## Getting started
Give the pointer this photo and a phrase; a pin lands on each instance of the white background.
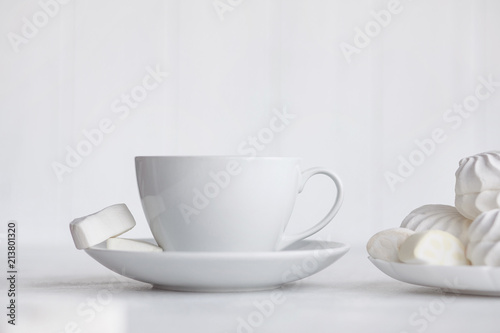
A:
(225, 79)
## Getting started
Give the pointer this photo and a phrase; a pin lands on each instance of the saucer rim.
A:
(465, 273)
(331, 245)
(217, 271)
(437, 267)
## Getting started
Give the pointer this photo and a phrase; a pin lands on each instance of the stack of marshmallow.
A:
(468, 233)
(106, 225)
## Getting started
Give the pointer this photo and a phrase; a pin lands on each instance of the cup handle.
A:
(290, 239)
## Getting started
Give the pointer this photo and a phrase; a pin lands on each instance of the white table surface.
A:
(64, 290)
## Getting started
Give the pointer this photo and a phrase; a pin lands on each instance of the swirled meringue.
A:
(438, 217)
(478, 173)
(385, 244)
(433, 247)
(486, 227)
(473, 204)
(484, 253)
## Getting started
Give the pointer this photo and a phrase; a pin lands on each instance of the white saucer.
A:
(221, 271)
(473, 280)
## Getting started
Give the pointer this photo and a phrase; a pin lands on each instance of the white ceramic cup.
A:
(224, 203)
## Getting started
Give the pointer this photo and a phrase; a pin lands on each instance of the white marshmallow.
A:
(438, 217)
(93, 229)
(477, 173)
(124, 244)
(433, 247)
(486, 227)
(473, 204)
(484, 253)
(385, 244)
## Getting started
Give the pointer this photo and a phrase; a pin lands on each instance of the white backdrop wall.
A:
(360, 100)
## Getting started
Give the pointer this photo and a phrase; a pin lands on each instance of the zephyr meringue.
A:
(484, 253)
(477, 187)
(385, 244)
(438, 217)
(484, 236)
(486, 227)
(473, 204)
(433, 247)
(478, 173)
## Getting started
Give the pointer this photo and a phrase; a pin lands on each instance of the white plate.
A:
(221, 271)
(474, 280)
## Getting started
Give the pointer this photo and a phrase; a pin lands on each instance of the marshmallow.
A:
(433, 247)
(124, 244)
(478, 173)
(93, 229)
(473, 204)
(484, 253)
(438, 217)
(385, 244)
